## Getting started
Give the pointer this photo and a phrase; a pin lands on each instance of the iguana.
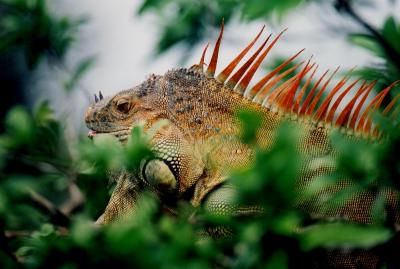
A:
(198, 143)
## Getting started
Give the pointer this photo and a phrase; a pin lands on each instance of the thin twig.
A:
(393, 55)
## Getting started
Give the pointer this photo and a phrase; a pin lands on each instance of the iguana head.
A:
(118, 114)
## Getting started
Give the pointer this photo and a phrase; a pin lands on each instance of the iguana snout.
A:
(116, 115)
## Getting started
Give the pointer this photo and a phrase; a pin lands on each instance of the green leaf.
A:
(31, 26)
(20, 185)
(137, 148)
(151, 4)
(251, 122)
(104, 152)
(343, 235)
(278, 261)
(43, 113)
(391, 32)
(19, 126)
(367, 42)
(287, 223)
(46, 230)
(371, 73)
(378, 211)
(254, 9)
(82, 231)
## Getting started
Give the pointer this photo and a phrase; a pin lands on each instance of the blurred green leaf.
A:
(152, 4)
(105, 152)
(254, 9)
(43, 113)
(31, 26)
(367, 42)
(277, 261)
(391, 31)
(251, 123)
(18, 124)
(378, 211)
(137, 149)
(346, 235)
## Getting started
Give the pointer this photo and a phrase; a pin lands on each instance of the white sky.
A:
(124, 43)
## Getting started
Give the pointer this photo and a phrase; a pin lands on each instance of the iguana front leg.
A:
(129, 187)
(123, 198)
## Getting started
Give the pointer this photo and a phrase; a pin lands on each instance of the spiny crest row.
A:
(275, 92)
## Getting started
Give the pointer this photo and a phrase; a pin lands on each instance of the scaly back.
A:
(283, 93)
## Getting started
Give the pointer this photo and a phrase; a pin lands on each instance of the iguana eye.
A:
(123, 106)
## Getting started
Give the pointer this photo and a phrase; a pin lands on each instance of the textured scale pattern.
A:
(198, 145)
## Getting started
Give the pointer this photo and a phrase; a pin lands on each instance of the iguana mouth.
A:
(92, 134)
(120, 134)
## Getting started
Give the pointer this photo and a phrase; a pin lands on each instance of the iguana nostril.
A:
(89, 114)
(87, 117)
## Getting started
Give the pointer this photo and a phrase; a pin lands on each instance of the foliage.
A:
(30, 25)
(30, 33)
(389, 69)
(187, 21)
(35, 162)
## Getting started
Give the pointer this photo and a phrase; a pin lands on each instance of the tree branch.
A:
(393, 55)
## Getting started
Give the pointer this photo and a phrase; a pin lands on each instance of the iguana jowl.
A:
(199, 145)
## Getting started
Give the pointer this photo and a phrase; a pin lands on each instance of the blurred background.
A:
(54, 55)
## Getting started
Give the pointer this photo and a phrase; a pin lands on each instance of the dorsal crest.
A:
(290, 92)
